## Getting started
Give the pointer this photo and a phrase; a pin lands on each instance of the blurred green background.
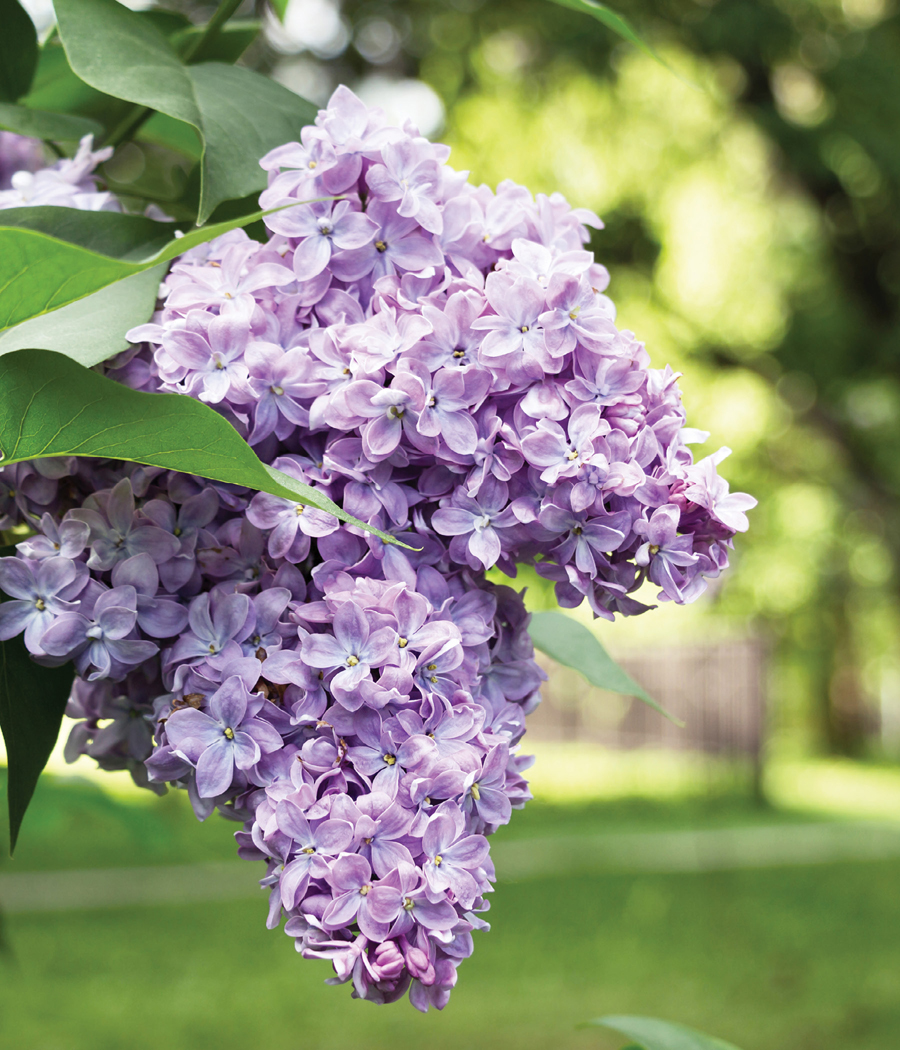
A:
(752, 210)
(774, 957)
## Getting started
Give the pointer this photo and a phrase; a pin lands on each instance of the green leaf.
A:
(56, 89)
(32, 703)
(280, 7)
(244, 115)
(123, 53)
(173, 134)
(41, 124)
(239, 114)
(619, 25)
(18, 51)
(50, 257)
(572, 644)
(53, 406)
(652, 1034)
(92, 329)
(148, 172)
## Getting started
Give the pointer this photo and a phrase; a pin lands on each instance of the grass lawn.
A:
(778, 959)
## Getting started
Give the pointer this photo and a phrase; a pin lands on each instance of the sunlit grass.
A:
(799, 958)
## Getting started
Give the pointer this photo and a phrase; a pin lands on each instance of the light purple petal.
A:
(246, 750)
(215, 769)
(311, 256)
(333, 836)
(228, 704)
(15, 617)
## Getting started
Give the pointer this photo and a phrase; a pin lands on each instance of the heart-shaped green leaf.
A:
(652, 1034)
(572, 644)
(92, 329)
(125, 54)
(243, 116)
(41, 124)
(18, 51)
(52, 406)
(50, 257)
(239, 114)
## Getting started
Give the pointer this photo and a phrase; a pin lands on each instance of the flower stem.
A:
(224, 11)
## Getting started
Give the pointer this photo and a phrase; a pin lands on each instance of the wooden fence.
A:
(717, 690)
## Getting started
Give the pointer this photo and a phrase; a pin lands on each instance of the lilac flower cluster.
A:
(442, 361)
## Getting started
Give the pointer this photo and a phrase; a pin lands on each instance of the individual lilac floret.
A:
(311, 846)
(116, 532)
(357, 898)
(40, 591)
(665, 551)
(353, 650)
(404, 903)
(66, 539)
(226, 736)
(709, 490)
(217, 624)
(322, 228)
(101, 641)
(475, 524)
(486, 797)
(452, 862)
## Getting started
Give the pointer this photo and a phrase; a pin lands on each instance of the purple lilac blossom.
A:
(69, 183)
(442, 360)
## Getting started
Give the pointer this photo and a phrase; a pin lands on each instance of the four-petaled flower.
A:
(225, 736)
